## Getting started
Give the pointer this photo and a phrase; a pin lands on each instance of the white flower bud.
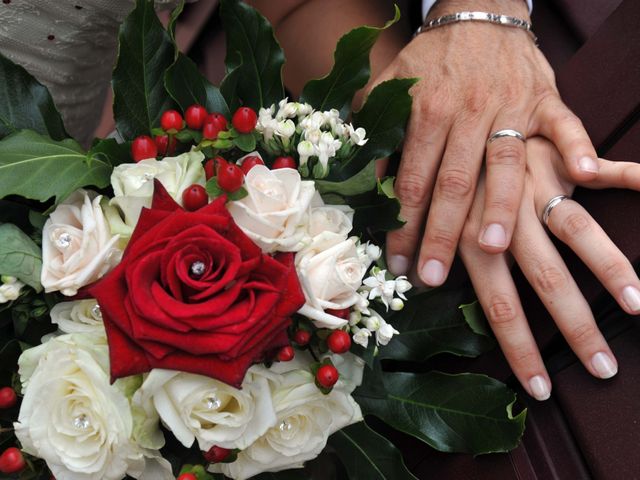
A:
(305, 150)
(385, 333)
(372, 323)
(374, 252)
(361, 336)
(396, 304)
(286, 129)
(354, 318)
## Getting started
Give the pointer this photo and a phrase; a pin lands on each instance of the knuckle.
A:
(454, 185)
(575, 225)
(612, 269)
(550, 279)
(526, 357)
(412, 191)
(476, 102)
(506, 152)
(583, 333)
(501, 311)
(445, 239)
(504, 205)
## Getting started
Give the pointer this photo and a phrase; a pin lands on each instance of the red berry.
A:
(230, 177)
(162, 144)
(284, 162)
(286, 354)
(244, 120)
(217, 119)
(171, 121)
(216, 454)
(187, 476)
(195, 116)
(327, 376)
(209, 169)
(194, 197)
(143, 147)
(8, 397)
(343, 313)
(210, 131)
(339, 341)
(249, 162)
(302, 337)
(11, 461)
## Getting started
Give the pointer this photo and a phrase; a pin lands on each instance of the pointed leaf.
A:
(26, 104)
(110, 151)
(188, 86)
(350, 72)
(431, 323)
(20, 257)
(39, 168)
(361, 182)
(145, 52)
(297, 474)
(368, 455)
(379, 211)
(452, 413)
(253, 50)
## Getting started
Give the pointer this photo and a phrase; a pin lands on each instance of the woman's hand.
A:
(475, 79)
(535, 254)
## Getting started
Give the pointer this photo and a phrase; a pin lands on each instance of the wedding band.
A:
(508, 132)
(551, 204)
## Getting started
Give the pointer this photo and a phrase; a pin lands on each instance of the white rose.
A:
(9, 288)
(306, 419)
(80, 316)
(74, 419)
(200, 408)
(329, 218)
(330, 272)
(133, 182)
(77, 246)
(274, 213)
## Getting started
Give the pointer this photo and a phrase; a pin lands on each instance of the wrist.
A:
(514, 8)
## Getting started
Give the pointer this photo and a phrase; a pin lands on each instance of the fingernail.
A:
(398, 264)
(539, 388)
(494, 236)
(433, 273)
(588, 164)
(631, 296)
(602, 364)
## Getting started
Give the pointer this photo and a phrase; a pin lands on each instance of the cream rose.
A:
(133, 184)
(200, 408)
(329, 218)
(274, 214)
(331, 270)
(305, 420)
(77, 245)
(74, 419)
(80, 316)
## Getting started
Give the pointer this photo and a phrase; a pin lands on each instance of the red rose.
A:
(194, 293)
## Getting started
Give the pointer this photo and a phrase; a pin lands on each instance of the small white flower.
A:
(10, 289)
(305, 150)
(357, 136)
(304, 109)
(354, 318)
(373, 322)
(361, 336)
(373, 251)
(313, 135)
(385, 333)
(402, 286)
(286, 129)
(327, 148)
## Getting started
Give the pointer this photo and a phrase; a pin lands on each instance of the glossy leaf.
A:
(431, 323)
(110, 151)
(38, 168)
(378, 211)
(296, 474)
(452, 413)
(367, 455)
(253, 55)
(26, 104)
(20, 257)
(361, 182)
(145, 52)
(350, 72)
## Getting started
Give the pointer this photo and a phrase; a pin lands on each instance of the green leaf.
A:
(361, 182)
(297, 474)
(351, 70)
(367, 455)
(187, 86)
(212, 188)
(20, 257)
(173, 21)
(452, 413)
(245, 142)
(229, 85)
(39, 168)
(253, 55)
(110, 151)
(431, 323)
(145, 52)
(26, 104)
(378, 211)
(474, 316)
(238, 194)
(384, 116)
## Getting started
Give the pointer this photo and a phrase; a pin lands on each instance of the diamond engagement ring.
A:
(508, 132)
(551, 204)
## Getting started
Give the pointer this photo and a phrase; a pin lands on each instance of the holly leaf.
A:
(38, 168)
(254, 56)
(368, 455)
(26, 104)
(452, 413)
(20, 257)
(187, 86)
(378, 211)
(384, 117)
(145, 52)
(431, 323)
(350, 72)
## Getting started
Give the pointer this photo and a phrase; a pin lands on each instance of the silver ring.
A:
(551, 204)
(507, 132)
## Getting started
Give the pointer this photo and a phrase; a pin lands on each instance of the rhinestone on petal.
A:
(213, 403)
(63, 240)
(81, 422)
(147, 176)
(197, 268)
(96, 312)
(285, 426)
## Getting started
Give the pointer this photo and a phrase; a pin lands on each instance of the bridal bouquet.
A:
(206, 296)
